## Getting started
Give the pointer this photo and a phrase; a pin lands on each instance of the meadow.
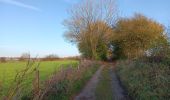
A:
(9, 70)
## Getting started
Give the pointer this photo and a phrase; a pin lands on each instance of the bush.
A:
(51, 57)
(3, 59)
(145, 80)
(24, 57)
(160, 54)
(66, 83)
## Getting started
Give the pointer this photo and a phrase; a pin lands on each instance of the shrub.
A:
(67, 82)
(133, 36)
(50, 57)
(24, 57)
(16, 90)
(160, 54)
(3, 59)
(145, 80)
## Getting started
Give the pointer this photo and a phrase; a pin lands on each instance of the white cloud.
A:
(20, 4)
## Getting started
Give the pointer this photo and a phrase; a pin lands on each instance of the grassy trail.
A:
(104, 90)
(88, 93)
(104, 85)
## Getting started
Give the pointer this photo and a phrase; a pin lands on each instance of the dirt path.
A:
(88, 93)
(118, 92)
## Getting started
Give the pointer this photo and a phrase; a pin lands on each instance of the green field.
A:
(8, 71)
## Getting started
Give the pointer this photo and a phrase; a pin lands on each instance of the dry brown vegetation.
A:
(15, 91)
(136, 35)
(67, 82)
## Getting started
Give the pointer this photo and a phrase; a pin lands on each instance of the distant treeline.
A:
(5, 59)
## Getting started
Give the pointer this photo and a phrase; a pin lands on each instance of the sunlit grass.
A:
(103, 89)
(8, 71)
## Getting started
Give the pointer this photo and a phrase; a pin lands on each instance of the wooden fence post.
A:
(36, 84)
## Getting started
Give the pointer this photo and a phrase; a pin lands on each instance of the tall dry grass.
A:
(66, 82)
(15, 91)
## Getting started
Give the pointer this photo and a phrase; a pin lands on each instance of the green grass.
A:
(103, 89)
(8, 71)
(145, 80)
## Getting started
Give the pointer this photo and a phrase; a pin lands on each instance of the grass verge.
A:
(103, 89)
(145, 80)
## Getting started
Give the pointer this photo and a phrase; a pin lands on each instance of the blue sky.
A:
(35, 26)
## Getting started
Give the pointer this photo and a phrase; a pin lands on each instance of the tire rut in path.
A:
(118, 91)
(88, 93)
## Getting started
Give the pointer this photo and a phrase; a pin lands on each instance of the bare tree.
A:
(50, 57)
(24, 56)
(2, 59)
(84, 24)
(168, 30)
